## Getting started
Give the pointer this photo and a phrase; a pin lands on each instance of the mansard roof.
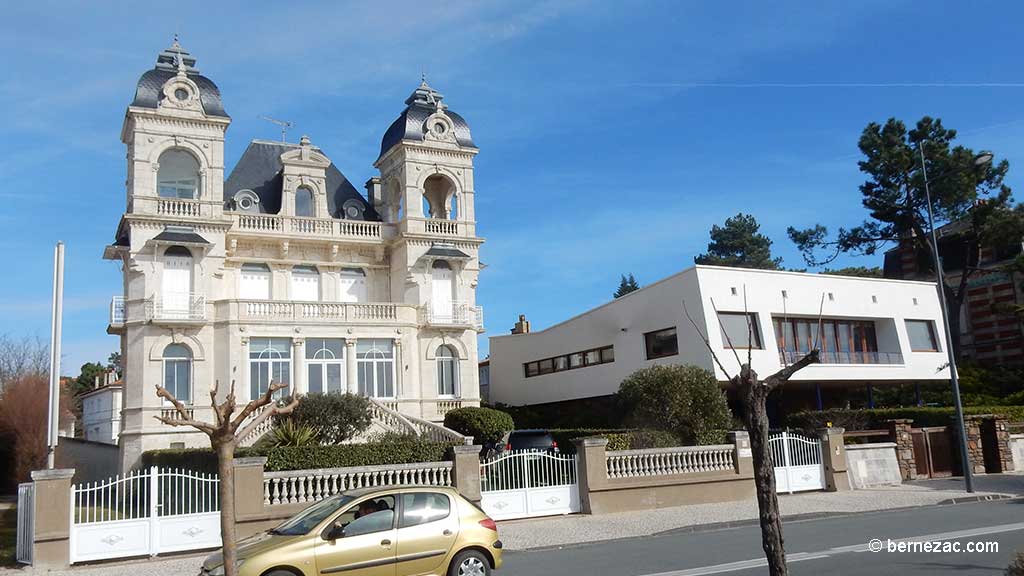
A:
(260, 170)
(149, 90)
(420, 105)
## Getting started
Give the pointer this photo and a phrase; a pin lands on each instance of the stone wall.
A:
(91, 461)
(872, 465)
(900, 435)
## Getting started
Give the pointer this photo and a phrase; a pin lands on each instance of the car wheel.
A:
(280, 573)
(469, 563)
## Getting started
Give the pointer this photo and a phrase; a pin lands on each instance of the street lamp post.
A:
(941, 285)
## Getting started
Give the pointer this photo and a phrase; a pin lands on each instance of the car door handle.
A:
(447, 533)
(385, 542)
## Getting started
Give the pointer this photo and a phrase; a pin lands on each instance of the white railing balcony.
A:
(117, 311)
(312, 227)
(176, 307)
(348, 312)
(438, 227)
(457, 314)
(791, 357)
(178, 207)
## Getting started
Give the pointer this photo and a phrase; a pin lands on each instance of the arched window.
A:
(304, 202)
(255, 283)
(305, 284)
(178, 372)
(270, 360)
(447, 371)
(375, 360)
(352, 285)
(178, 176)
(437, 191)
(325, 365)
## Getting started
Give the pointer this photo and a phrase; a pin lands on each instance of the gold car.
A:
(403, 531)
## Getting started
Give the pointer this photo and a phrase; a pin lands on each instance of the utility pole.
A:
(55, 333)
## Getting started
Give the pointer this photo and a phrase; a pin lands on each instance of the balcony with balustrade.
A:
(176, 308)
(438, 228)
(117, 315)
(300, 227)
(278, 311)
(457, 314)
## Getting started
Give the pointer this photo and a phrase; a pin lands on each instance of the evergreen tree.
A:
(626, 285)
(738, 243)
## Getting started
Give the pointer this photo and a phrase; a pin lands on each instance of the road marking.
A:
(802, 556)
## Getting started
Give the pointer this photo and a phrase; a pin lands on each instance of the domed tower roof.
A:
(149, 90)
(423, 103)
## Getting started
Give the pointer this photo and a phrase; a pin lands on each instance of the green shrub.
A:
(485, 425)
(618, 439)
(684, 400)
(875, 418)
(335, 417)
(289, 434)
(593, 412)
(386, 449)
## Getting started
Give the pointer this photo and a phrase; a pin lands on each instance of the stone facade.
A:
(900, 434)
(284, 271)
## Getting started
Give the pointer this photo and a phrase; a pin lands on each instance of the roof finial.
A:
(423, 78)
(175, 43)
(180, 64)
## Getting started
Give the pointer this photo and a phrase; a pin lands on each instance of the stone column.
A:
(742, 456)
(399, 369)
(833, 454)
(299, 384)
(466, 471)
(244, 393)
(1003, 443)
(975, 453)
(592, 469)
(51, 547)
(899, 432)
(351, 368)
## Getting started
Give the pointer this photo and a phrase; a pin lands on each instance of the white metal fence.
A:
(662, 461)
(298, 486)
(529, 483)
(797, 461)
(26, 522)
(147, 512)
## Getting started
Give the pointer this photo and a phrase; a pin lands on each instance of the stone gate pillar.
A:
(51, 545)
(900, 433)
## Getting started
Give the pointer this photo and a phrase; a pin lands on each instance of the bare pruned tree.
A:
(224, 436)
(20, 357)
(754, 392)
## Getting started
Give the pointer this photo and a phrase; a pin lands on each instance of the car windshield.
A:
(309, 518)
(530, 440)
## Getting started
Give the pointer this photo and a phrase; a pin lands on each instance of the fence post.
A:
(466, 471)
(52, 507)
(249, 493)
(900, 433)
(592, 468)
(833, 459)
(742, 457)
(154, 510)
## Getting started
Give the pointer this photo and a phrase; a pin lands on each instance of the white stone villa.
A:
(874, 332)
(283, 271)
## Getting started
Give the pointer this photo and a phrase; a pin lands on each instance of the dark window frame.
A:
(648, 348)
(567, 361)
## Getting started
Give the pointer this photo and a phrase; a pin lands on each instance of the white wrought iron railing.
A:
(459, 313)
(791, 357)
(176, 306)
(117, 314)
(664, 461)
(302, 226)
(298, 486)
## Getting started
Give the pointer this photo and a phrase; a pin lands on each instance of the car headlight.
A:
(219, 570)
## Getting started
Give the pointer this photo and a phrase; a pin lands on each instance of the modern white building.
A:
(873, 331)
(283, 271)
(101, 411)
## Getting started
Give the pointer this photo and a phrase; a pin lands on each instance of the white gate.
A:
(797, 461)
(529, 483)
(143, 514)
(26, 522)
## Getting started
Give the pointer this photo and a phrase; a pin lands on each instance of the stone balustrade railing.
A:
(322, 311)
(382, 411)
(259, 431)
(301, 226)
(178, 207)
(446, 406)
(666, 461)
(173, 414)
(298, 486)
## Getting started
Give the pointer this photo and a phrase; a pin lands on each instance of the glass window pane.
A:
(592, 357)
(546, 366)
(183, 378)
(921, 335)
(561, 363)
(738, 331)
(365, 378)
(576, 360)
(423, 507)
(607, 355)
(661, 343)
(334, 378)
(315, 377)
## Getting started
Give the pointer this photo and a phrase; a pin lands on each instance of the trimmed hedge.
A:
(618, 439)
(386, 450)
(485, 425)
(875, 418)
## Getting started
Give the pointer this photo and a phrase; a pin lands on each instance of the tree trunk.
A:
(226, 492)
(755, 394)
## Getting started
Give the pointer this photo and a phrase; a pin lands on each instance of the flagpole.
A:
(53, 419)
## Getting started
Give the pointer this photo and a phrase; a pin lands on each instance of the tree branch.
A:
(775, 380)
(185, 418)
(262, 417)
(706, 342)
(256, 404)
(725, 333)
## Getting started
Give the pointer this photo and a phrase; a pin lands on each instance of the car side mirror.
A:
(336, 531)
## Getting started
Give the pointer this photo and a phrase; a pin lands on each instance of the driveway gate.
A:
(529, 483)
(797, 461)
(144, 513)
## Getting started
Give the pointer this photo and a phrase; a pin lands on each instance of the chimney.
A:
(523, 326)
(373, 193)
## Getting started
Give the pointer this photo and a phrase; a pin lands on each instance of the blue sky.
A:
(612, 134)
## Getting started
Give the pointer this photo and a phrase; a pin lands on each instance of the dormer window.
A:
(304, 203)
(178, 176)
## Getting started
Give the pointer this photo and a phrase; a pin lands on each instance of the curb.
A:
(716, 526)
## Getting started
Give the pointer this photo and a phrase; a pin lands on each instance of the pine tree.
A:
(738, 243)
(626, 285)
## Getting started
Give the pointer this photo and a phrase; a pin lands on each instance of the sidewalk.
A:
(578, 529)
